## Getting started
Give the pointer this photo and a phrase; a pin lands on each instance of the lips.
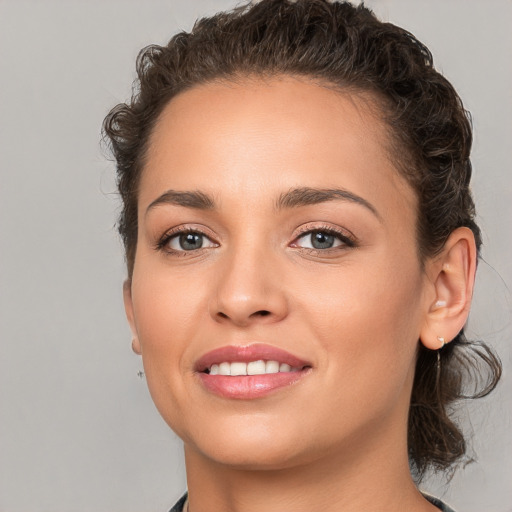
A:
(251, 371)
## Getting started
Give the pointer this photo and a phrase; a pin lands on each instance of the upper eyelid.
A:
(178, 230)
(338, 231)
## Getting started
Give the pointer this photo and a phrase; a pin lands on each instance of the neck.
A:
(370, 477)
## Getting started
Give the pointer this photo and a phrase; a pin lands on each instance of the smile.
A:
(248, 372)
(253, 368)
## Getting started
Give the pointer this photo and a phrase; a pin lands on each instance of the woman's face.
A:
(273, 227)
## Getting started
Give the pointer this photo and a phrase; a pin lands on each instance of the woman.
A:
(301, 252)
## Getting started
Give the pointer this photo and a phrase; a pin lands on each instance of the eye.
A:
(188, 241)
(322, 239)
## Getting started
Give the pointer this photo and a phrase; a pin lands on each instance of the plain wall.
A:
(78, 430)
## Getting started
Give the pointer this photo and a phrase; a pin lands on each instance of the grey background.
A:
(78, 431)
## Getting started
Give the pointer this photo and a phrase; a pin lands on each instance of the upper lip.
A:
(248, 353)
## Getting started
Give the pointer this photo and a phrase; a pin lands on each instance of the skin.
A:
(355, 311)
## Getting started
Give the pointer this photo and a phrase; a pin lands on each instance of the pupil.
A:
(191, 241)
(321, 240)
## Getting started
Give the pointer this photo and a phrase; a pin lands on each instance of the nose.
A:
(248, 290)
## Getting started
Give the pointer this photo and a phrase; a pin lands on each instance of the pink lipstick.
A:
(251, 371)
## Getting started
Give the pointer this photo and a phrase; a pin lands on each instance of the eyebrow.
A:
(293, 198)
(306, 196)
(188, 199)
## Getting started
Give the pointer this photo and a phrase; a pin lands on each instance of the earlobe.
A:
(136, 346)
(453, 276)
(128, 307)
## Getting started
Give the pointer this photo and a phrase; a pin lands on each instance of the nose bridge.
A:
(247, 286)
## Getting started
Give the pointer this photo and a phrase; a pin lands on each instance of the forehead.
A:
(282, 132)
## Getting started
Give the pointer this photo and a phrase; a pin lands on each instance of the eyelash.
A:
(162, 244)
(348, 241)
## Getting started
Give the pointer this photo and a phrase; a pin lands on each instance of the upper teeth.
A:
(253, 368)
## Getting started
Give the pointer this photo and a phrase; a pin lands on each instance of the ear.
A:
(452, 274)
(128, 307)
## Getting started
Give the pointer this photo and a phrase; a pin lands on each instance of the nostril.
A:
(242, 317)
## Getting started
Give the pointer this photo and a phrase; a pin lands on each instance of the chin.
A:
(251, 457)
(255, 445)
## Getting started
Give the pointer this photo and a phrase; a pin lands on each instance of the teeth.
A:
(256, 368)
(253, 368)
(272, 367)
(224, 369)
(238, 368)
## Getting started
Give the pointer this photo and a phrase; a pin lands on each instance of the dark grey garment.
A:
(439, 504)
(179, 505)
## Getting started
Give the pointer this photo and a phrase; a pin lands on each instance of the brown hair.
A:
(346, 47)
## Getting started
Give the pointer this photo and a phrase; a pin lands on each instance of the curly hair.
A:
(348, 48)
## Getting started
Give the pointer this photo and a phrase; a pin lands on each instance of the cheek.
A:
(168, 309)
(167, 314)
(380, 293)
(367, 316)
(366, 321)
(166, 306)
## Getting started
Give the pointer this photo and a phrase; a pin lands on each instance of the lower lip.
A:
(248, 387)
